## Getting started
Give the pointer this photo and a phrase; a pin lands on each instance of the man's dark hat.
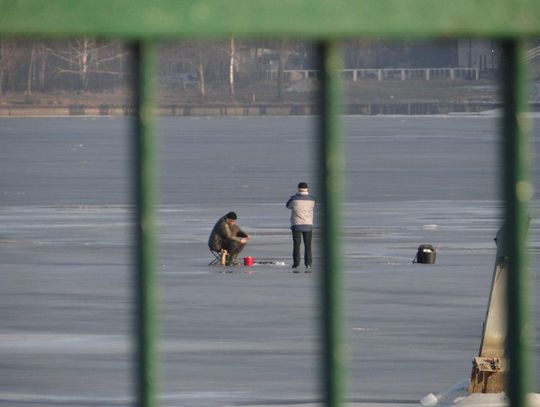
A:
(302, 185)
(231, 216)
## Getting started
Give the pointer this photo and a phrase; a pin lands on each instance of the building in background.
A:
(481, 54)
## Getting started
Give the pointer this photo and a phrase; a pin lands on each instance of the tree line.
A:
(94, 65)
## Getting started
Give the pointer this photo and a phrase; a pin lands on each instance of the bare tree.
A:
(232, 60)
(31, 65)
(85, 56)
(283, 52)
(8, 58)
(41, 74)
(360, 53)
(201, 71)
(197, 56)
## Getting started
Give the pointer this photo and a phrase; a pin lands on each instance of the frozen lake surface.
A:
(247, 337)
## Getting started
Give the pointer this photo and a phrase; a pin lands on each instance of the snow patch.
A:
(457, 396)
(455, 393)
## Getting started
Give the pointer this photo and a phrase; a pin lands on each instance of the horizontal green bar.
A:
(135, 19)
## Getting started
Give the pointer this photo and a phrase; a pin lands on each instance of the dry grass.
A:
(366, 91)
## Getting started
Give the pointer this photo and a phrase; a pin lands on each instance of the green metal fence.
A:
(143, 22)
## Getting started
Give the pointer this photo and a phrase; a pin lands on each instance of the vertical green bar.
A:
(517, 192)
(330, 176)
(144, 222)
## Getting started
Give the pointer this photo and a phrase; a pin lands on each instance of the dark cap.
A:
(302, 185)
(231, 216)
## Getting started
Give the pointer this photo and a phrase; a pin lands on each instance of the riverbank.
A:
(359, 98)
(422, 108)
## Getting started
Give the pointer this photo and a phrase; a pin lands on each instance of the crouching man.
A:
(227, 235)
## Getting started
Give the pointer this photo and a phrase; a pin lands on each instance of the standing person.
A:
(227, 235)
(301, 205)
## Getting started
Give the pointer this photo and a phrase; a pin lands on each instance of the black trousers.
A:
(232, 246)
(297, 241)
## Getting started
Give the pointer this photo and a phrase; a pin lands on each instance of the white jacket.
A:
(302, 207)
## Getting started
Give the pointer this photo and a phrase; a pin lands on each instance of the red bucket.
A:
(248, 261)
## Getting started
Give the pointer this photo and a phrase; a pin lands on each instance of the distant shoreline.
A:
(365, 97)
(285, 109)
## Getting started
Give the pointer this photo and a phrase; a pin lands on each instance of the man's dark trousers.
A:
(233, 247)
(297, 241)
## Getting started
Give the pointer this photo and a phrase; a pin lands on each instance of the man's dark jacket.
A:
(224, 231)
